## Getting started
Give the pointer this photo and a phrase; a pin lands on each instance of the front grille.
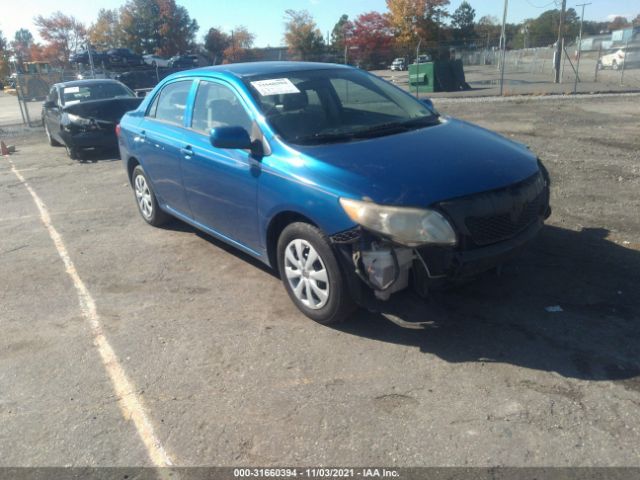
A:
(348, 236)
(494, 228)
(491, 217)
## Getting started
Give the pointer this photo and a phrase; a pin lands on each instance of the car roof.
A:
(91, 81)
(250, 69)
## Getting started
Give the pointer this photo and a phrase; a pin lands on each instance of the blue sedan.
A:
(349, 187)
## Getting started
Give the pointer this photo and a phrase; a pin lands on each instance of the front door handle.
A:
(187, 151)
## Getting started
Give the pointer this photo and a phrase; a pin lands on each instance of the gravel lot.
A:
(231, 374)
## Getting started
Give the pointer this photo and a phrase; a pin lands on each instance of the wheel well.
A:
(131, 164)
(276, 226)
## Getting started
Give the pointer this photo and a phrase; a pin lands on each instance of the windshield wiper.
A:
(396, 127)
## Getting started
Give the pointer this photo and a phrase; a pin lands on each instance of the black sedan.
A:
(83, 114)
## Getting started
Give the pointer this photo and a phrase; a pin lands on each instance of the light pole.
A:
(503, 45)
(575, 85)
(558, 57)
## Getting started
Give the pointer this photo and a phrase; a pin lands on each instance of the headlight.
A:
(78, 120)
(407, 226)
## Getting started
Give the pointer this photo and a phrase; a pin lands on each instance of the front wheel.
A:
(311, 274)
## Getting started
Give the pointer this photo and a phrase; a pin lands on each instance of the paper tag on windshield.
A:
(71, 89)
(71, 102)
(275, 86)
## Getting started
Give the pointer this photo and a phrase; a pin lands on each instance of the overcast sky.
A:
(265, 17)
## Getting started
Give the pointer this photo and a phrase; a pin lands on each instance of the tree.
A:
(302, 36)
(106, 32)
(63, 33)
(636, 21)
(412, 20)
(487, 29)
(341, 31)
(462, 22)
(4, 56)
(21, 45)
(239, 47)
(373, 38)
(157, 26)
(543, 31)
(618, 23)
(216, 42)
(177, 30)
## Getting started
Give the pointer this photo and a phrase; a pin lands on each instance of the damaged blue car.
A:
(348, 186)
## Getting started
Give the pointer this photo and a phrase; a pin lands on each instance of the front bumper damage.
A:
(492, 227)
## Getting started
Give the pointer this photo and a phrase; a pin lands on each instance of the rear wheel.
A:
(146, 199)
(311, 274)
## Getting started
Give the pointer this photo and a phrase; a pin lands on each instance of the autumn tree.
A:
(157, 26)
(4, 56)
(64, 34)
(177, 29)
(412, 20)
(216, 42)
(341, 31)
(106, 32)
(21, 45)
(462, 22)
(618, 23)
(302, 35)
(239, 46)
(373, 38)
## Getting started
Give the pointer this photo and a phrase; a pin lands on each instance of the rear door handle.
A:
(187, 151)
(142, 136)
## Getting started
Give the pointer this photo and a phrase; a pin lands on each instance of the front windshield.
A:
(335, 105)
(94, 91)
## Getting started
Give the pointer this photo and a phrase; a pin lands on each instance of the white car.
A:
(627, 56)
(398, 65)
(155, 60)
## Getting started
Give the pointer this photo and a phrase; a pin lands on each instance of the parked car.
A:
(83, 57)
(83, 114)
(345, 184)
(139, 79)
(398, 65)
(625, 56)
(425, 58)
(97, 73)
(123, 57)
(183, 61)
(155, 60)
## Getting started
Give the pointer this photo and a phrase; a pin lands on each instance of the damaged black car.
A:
(82, 115)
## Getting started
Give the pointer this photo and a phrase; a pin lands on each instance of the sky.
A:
(265, 17)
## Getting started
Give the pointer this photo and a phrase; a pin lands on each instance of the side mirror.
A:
(231, 137)
(49, 104)
(428, 103)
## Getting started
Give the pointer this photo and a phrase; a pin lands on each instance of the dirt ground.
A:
(230, 373)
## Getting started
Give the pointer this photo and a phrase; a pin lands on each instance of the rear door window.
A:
(170, 104)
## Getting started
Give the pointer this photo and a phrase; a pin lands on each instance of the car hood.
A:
(421, 167)
(108, 110)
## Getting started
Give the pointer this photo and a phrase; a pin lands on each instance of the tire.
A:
(146, 199)
(322, 277)
(52, 142)
(72, 152)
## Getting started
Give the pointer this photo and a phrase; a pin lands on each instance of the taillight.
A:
(117, 130)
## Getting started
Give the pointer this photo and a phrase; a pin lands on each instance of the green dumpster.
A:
(438, 76)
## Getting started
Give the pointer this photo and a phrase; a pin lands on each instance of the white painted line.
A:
(129, 401)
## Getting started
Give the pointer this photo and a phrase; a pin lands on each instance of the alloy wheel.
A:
(143, 196)
(306, 273)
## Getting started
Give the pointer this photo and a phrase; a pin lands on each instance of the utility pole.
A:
(503, 45)
(575, 85)
(558, 56)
